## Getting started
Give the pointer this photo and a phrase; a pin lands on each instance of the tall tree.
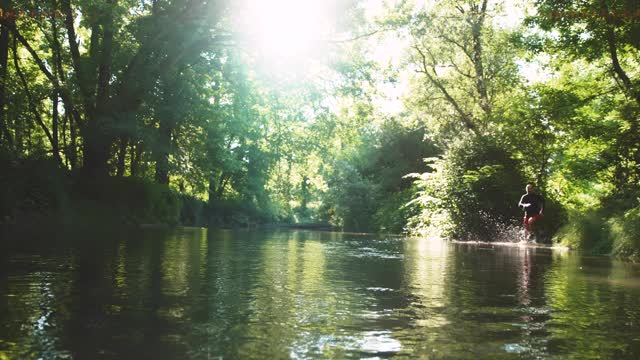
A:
(596, 28)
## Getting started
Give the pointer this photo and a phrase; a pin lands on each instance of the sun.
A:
(284, 29)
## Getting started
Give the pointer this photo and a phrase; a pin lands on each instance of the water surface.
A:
(211, 294)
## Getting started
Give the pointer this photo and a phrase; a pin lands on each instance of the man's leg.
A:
(531, 221)
(526, 228)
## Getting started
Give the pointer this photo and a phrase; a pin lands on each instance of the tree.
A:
(109, 82)
(465, 63)
(603, 30)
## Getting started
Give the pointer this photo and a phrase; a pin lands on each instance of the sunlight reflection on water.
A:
(197, 294)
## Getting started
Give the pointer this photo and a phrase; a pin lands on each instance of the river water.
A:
(221, 294)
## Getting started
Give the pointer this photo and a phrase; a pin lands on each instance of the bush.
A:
(392, 214)
(31, 187)
(586, 231)
(237, 212)
(625, 232)
(476, 187)
(127, 200)
(37, 187)
(192, 211)
(354, 199)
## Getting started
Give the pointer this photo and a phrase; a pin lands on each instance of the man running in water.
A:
(533, 205)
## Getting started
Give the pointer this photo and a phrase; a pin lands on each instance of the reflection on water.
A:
(198, 294)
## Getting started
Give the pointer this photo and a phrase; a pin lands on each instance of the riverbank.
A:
(38, 191)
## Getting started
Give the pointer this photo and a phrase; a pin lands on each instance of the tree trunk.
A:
(96, 148)
(5, 28)
(211, 192)
(481, 83)
(99, 135)
(106, 54)
(76, 61)
(65, 147)
(72, 117)
(431, 74)
(96, 133)
(73, 147)
(136, 155)
(32, 105)
(224, 179)
(55, 145)
(57, 70)
(122, 155)
(216, 187)
(304, 191)
(163, 151)
(627, 85)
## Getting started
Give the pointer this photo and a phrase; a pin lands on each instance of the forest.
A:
(418, 117)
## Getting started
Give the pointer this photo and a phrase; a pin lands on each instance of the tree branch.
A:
(458, 44)
(75, 57)
(32, 105)
(627, 87)
(358, 37)
(64, 93)
(481, 84)
(465, 117)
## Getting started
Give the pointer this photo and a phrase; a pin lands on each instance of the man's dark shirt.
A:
(536, 201)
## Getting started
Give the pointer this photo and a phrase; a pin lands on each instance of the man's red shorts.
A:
(528, 220)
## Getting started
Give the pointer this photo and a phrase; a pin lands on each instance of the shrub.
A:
(392, 214)
(475, 189)
(237, 212)
(31, 187)
(625, 232)
(127, 200)
(192, 211)
(586, 231)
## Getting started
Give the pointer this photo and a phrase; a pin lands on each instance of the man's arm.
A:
(521, 204)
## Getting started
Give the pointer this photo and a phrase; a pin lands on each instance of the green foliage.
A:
(353, 198)
(609, 229)
(484, 183)
(192, 211)
(476, 188)
(393, 212)
(583, 26)
(36, 189)
(32, 187)
(586, 231)
(368, 189)
(625, 231)
(128, 201)
(236, 212)
(134, 112)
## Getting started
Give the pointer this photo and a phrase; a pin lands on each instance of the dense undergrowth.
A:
(37, 190)
(611, 229)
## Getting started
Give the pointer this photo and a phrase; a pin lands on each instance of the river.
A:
(223, 294)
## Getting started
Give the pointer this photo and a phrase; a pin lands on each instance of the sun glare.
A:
(284, 29)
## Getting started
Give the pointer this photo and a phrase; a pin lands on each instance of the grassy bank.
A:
(603, 231)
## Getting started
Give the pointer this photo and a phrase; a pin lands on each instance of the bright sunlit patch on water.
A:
(513, 244)
(515, 348)
(367, 252)
(379, 342)
(371, 342)
(379, 289)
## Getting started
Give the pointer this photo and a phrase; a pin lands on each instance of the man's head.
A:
(530, 188)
